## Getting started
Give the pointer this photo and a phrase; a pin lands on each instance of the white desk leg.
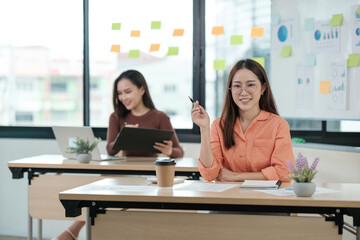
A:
(87, 224)
(29, 227)
(40, 229)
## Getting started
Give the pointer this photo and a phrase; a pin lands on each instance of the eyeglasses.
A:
(249, 88)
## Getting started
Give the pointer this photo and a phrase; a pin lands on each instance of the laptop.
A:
(65, 136)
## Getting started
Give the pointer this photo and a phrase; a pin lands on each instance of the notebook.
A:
(65, 136)
(272, 184)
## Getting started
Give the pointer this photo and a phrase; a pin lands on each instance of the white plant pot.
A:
(304, 189)
(84, 157)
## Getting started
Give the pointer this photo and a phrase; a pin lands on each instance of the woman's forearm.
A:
(206, 156)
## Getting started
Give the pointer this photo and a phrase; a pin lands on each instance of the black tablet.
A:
(140, 139)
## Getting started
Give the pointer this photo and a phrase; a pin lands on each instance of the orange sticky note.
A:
(154, 47)
(178, 32)
(218, 30)
(257, 32)
(115, 48)
(135, 34)
(324, 87)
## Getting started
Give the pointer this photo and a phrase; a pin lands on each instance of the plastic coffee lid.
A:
(165, 161)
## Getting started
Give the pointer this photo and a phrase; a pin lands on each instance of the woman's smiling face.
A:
(129, 94)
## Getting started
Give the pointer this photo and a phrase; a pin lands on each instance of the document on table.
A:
(290, 191)
(272, 184)
(206, 187)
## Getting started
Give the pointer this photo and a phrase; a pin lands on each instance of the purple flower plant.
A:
(300, 171)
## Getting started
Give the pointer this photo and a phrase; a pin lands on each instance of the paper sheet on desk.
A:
(290, 191)
(206, 187)
(176, 180)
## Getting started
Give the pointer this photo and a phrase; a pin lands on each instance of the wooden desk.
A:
(44, 188)
(97, 196)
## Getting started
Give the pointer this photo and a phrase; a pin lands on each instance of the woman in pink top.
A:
(249, 140)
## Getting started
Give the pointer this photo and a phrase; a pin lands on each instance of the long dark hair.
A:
(139, 81)
(230, 110)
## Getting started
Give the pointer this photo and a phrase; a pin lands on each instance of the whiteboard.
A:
(288, 73)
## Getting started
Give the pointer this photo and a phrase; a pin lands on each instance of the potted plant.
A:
(303, 175)
(83, 148)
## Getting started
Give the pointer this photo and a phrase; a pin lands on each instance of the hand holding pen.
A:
(198, 115)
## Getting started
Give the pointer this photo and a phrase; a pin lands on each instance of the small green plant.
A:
(83, 146)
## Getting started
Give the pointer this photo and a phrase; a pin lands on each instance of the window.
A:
(38, 46)
(167, 65)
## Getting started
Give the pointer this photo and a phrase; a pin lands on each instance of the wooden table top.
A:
(130, 163)
(112, 189)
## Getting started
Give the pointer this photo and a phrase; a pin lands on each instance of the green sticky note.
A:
(358, 10)
(236, 39)
(310, 60)
(155, 24)
(309, 24)
(298, 140)
(285, 51)
(275, 19)
(260, 60)
(116, 26)
(219, 65)
(353, 60)
(134, 53)
(173, 51)
(336, 20)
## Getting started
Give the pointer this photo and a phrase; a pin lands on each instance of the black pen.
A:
(194, 103)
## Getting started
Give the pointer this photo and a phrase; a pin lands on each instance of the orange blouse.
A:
(264, 147)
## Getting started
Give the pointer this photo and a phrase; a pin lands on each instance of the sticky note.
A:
(260, 60)
(236, 39)
(134, 54)
(173, 51)
(218, 30)
(275, 19)
(285, 51)
(257, 32)
(309, 24)
(358, 10)
(115, 48)
(336, 20)
(219, 65)
(135, 34)
(353, 60)
(155, 24)
(178, 32)
(324, 87)
(154, 47)
(310, 60)
(116, 26)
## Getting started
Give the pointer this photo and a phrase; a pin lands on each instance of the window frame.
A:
(185, 135)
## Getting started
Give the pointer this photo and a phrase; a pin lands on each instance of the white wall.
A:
(334, 166)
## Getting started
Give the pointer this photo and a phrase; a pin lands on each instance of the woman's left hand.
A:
(165, 147)
(228, 176)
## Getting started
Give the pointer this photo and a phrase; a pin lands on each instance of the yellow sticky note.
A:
(154, 47)
(324, 87)
(219, 65)
(134, 54)
(218, 30)
(260, 60)
(236, 39)
(178, 32)
(336, 20)
(115, 48)
(257, 32)
(116, 26)
(353, 60)
(285, 51)
(173, 51)
(135, 33)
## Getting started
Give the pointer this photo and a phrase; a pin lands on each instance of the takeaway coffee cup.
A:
(165, 172)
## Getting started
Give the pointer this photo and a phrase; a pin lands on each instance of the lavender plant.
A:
(300, 171)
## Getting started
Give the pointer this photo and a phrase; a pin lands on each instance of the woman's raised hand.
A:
(199, 116)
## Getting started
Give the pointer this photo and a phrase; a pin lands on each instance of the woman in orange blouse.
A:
(249, 140)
